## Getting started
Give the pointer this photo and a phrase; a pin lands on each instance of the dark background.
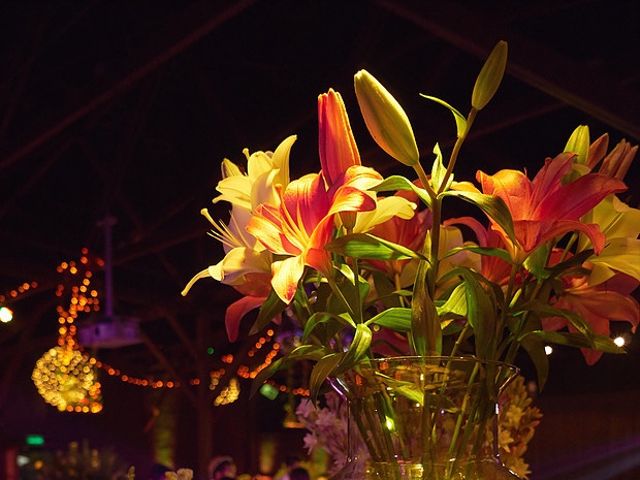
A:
(129, 107)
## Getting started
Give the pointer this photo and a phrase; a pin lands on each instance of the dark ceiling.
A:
(129, 107)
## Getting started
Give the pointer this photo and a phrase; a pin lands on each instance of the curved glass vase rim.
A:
(443, 358)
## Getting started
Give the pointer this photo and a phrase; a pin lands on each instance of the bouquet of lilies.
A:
(368, 266)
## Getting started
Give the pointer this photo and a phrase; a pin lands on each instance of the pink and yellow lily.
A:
(303, 223)
(246, 265)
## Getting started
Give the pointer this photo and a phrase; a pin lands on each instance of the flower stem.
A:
(456, 149)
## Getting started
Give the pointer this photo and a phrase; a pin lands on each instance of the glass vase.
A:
(424, 418)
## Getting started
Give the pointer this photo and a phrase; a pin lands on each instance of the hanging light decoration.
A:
(67, 380)
(65, 376)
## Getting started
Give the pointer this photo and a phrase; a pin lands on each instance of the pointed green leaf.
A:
(397, 319)
(486, 251)
(398, 182)
(385, 290)
(303, 352)
(481, 315)
(545, 310)
(536, 262)
(461, 121)
(494, 207)
(265, 374)
(534, 346)
(319, 318)
(426, 333)
(367, 246)
(456, 303)
(409, 390)
(490, 76)
(271, 308)
(358, 348)
(598, 342)
(321, 370)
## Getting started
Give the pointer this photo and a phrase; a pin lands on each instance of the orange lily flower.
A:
(303, 223)
(545, 207)
(409, 233)
(492, 268)
(598, 305)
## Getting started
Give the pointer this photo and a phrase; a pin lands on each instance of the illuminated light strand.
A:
(228, 394)
(244, 372)
(21, 289)
(65, 376)
(84, 299)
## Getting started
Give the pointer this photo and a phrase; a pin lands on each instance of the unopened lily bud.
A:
(617, 163)
(598, 150)
(490, 76)
(386, 121)
(337, 147)
(578, 143)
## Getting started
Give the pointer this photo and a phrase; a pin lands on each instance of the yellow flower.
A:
(621, 227)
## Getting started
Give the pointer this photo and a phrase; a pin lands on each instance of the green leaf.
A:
(545, 310)
(398, 182)
(271, 308)
(319, 318)
(365, 245)
(265, 374)
(534, 346)
(354, 296)
(358, 348)
(456, 303)
(480, 315)
(397, 319)
(486, 251)
(461, 121)
(303, 352)
(426, 333)
(409, 390)
(490, 76)
(579, 143)
(576, 260)
(321, 370)
(536, 262)
(438, 171)
(494, 207)
(597, 342)
(385, 290)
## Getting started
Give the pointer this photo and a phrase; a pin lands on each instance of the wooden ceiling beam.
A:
(584, 87)
(197, 28)
(164, 361)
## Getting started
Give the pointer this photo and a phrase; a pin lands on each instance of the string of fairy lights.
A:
(66, 375)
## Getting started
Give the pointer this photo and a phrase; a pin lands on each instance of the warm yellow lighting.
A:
(6, 314)
(619, 341)
(65, 380)
(229, 394)
(548, 349)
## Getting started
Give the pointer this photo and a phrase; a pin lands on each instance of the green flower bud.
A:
(387, 122)
(490, 76)
(579, 143)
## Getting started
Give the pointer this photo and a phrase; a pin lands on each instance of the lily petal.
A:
(286, 275)
(236, 312)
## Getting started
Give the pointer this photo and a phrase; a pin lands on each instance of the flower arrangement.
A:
(327, 428)
(369, 265)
